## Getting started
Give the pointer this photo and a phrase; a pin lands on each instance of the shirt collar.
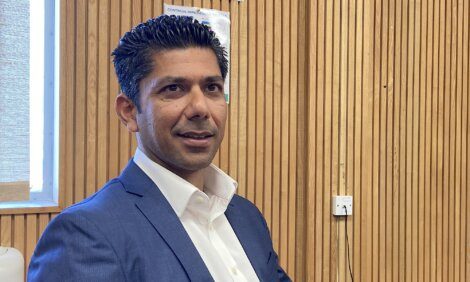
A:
(178, 191)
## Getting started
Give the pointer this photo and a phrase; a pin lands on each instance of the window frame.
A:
(47, 200)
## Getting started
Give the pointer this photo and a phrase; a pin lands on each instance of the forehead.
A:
(187, 62)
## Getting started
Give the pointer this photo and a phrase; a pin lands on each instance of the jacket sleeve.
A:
(73, 248)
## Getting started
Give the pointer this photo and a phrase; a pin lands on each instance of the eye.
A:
(172, 88)
(172, 91)
(214, 88)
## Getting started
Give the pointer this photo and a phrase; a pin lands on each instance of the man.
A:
(170, 215)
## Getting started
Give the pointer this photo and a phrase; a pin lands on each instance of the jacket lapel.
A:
(154, 206)
(248, 240)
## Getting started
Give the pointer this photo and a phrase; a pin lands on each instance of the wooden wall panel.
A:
(387, 122)
(359, 97)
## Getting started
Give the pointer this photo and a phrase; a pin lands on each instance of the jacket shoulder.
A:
(104, 199)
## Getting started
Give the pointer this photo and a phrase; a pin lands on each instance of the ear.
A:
(127, 112)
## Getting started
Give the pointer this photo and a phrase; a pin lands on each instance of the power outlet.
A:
(338, 204)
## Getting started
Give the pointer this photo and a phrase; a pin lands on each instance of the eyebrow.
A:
(167, 79)
(177, 79)
(215, 78)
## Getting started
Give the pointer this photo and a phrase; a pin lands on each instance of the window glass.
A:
(14, 97)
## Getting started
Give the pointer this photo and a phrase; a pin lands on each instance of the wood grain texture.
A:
(405, 110)
(14, 191)
(360, 97)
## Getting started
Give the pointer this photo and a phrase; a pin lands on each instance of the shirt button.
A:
(234, 271)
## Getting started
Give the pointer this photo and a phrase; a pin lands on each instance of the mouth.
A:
(196, 135)
(196, 138)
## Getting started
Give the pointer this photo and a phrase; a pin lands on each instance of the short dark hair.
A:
(133, 56)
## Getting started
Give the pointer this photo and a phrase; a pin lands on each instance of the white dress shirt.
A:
(203, 218)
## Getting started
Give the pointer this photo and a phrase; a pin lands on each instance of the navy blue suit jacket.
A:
(128, 231)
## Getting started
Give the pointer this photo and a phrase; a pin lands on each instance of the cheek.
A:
(219, 114)
(148, 123)
(164, 120)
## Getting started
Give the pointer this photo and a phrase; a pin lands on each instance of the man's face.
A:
(183, 110)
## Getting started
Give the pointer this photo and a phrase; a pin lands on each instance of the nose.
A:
(197, 108)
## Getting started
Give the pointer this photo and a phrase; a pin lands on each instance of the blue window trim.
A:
(49, 191)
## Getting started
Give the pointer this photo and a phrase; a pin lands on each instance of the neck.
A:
(195, 177)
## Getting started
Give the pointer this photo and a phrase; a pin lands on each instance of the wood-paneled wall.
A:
(387, 120)
(366, 98)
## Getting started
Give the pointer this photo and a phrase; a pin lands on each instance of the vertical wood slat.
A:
(293, 135)
(268, 112)
(67, 116)
(319, 125)
(330, 56)
(217, 157)
(439, 149)
(64, 121)
(377, 137)
(413, 248)
(19, 233)
(351, 83)
(452, 124)
(429, 182)
(259, 169)
(310, 122)
(383, 85)
(423, 134)
(124, 136)
(5, 231)
(357, 129)
(454, 269)
(31, 232)
(80, 101)
(341, 131)
(408, 156)
(276, 147)
(233, 109)
(465, 180)
(103, 94)
(224, 147)
(113, 130)
(242, 98)
(302, 196)
(91, 97)
(251, 103)
(147, 9)
(371, 101)
(284, 130)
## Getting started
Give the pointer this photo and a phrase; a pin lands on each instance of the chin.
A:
(195, 165)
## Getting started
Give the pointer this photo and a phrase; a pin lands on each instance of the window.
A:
(28, 102)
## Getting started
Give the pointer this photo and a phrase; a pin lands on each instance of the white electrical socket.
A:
(338, 204)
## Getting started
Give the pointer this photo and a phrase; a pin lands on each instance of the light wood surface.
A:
(360, 97)
(14, 191)
(403, 96)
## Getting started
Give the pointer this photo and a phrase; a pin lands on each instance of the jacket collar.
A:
(153, 205)
(179, 192)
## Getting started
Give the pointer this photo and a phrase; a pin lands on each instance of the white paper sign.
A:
(219, 22)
